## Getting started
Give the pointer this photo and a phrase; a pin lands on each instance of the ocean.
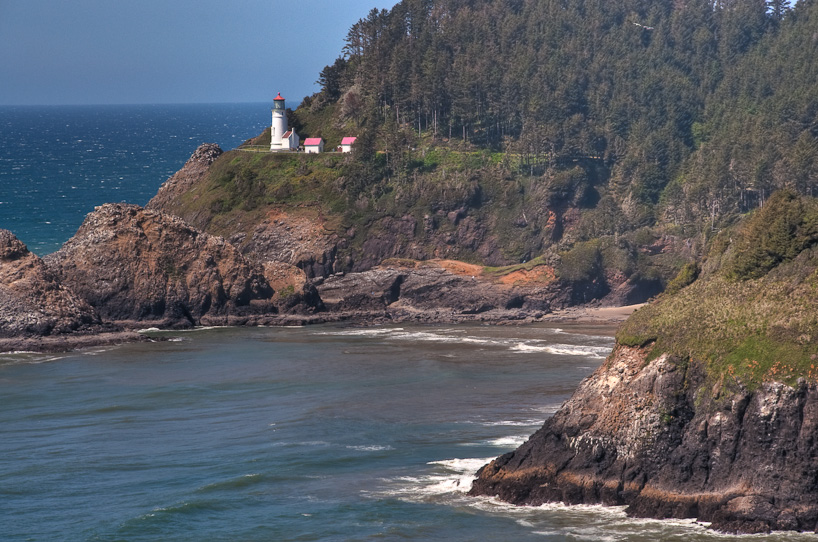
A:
(57, 163)
(321, 433)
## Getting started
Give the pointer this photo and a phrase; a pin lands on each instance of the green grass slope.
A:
(753, 314)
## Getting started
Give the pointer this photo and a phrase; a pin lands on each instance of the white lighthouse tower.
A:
(281, 137)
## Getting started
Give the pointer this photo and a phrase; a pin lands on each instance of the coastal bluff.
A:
(708, 406)
(141, 268)
(641, 433)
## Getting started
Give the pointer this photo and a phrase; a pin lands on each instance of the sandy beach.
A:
(598, 315)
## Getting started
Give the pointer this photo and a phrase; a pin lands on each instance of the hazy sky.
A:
(169, 51)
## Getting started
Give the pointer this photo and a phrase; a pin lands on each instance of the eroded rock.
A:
(656, 436)
(136, 265)
(33, 303)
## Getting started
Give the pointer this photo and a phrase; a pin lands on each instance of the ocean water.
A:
(324, 433)
(294, 434)
(58, 163)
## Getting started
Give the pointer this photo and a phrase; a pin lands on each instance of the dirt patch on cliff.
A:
(460, 268)
(542, 274)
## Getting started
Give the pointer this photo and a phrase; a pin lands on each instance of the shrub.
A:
(583, 263)
(777, 233)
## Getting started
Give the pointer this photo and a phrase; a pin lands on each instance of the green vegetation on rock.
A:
(752, 314)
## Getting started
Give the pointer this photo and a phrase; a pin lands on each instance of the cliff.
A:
(139, 267)
(308, 211)
(32, 300)
(39, 313)
(193, 171)
(645, 434)
(708, 406)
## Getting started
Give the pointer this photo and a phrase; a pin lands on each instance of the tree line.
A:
(698, 108)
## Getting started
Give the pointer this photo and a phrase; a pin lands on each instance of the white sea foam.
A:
(368, 332)
(596, 352)
(547, 409)
(508, 442)
(514, 423)
(27, 358)
(448, 478)
(455, 336)
(608, 523)
(371, 448)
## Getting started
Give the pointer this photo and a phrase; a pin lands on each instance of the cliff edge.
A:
(32, 301)
(137, 267)
(708, 406)
(645, 434)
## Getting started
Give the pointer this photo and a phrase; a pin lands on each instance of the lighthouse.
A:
(282, 138)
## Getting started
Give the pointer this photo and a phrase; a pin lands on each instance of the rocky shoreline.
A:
(129, 268)
(647, 434)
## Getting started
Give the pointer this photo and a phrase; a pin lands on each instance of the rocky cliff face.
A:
(659, 437)
(438, 290)
(135, 265)
(192, 172)
(306, 211)
(32, 301)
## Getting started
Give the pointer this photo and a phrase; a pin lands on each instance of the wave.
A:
(232, 483)
(515, 423)
(27, 358)
(508, 442)
(448, 478)
(368, 332)
(453, 336)
(371, 448)
(597, 352)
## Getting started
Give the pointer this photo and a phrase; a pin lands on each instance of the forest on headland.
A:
(610, 141)
(695, 110)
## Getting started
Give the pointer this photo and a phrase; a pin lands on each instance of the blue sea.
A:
(58, 163)
(321, 433)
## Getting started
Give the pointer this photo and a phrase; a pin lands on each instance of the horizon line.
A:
(131, 104)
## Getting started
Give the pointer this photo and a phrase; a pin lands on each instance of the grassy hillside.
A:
(753, 314)
(488, 132)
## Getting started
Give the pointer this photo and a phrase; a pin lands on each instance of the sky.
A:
(55, 52)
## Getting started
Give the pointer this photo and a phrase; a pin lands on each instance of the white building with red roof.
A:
(313, 145)
(346, 144)
(282, 138)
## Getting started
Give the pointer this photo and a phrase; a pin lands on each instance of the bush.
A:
(583, 263)
(777, 233)
(686, 276)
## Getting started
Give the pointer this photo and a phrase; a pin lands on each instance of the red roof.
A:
(348, 140)
(278, 98)
(313, 141)
(287, 134)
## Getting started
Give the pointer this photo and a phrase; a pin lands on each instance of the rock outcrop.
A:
(191, 173)
(660, 437)
(140, 267)
(298, 239)
(435, 291)
(33, 303)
